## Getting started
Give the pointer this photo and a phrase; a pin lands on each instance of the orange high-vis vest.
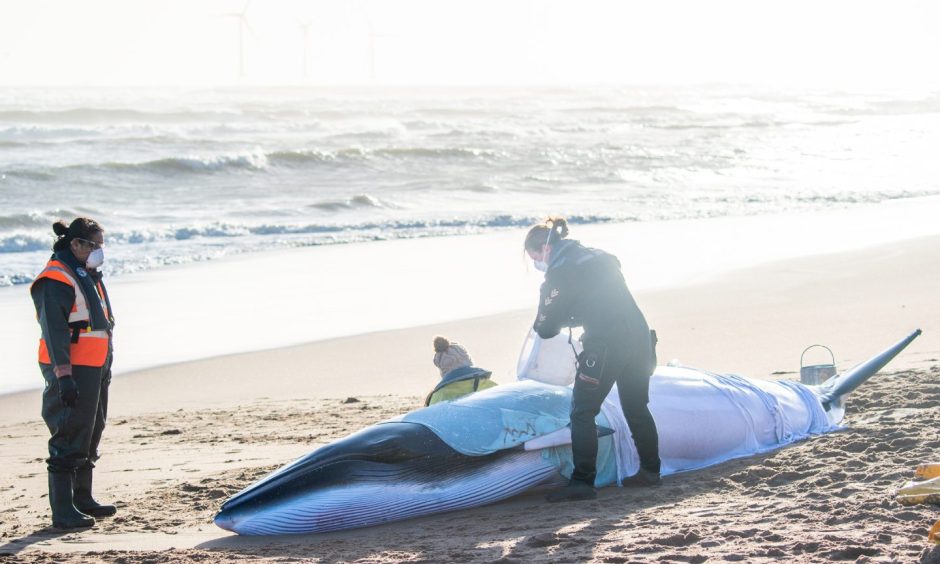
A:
(92, 346)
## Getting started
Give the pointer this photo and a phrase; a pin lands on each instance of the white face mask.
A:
(95, 259)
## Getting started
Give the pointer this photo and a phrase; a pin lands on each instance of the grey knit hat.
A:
(450, 355)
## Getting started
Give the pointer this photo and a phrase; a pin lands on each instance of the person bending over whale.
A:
(584, 287)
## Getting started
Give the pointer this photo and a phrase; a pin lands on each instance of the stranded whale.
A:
(497, 443)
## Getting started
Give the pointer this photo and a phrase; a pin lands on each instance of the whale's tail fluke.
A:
(841, 384)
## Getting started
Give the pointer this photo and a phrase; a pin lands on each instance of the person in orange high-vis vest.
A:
(76, 321)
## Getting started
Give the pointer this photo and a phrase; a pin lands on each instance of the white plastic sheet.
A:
(702, 418)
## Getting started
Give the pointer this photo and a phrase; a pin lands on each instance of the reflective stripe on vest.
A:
(92, 346)
(104, 303)
(58, 271)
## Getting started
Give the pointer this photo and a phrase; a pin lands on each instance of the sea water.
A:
(177, 176)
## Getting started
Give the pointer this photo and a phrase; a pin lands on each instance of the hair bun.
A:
(60, 228)
(558, 224)
(441, 344)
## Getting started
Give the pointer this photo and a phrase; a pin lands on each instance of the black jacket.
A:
(584, 288)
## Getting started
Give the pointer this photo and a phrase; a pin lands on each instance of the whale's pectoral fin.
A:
(561, 437)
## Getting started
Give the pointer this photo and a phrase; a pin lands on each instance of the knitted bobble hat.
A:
(450, 355)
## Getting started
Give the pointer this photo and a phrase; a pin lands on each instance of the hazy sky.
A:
(188, 42)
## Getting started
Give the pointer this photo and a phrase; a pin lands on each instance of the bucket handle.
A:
(820, 346)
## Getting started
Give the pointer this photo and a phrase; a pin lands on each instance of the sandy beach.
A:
(184, 437)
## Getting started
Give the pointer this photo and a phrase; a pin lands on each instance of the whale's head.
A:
(387, 472)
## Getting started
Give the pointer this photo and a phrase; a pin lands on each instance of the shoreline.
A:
(713, 324)
(283, 298)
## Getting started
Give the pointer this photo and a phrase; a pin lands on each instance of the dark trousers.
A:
(593, 383)
(75, 431)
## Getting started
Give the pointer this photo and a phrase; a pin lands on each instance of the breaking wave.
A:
(242, 161)
(356, 202)
(23, 243)
(256, 161)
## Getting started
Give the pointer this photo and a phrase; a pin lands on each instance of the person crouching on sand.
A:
(74, 314)
(458, 375)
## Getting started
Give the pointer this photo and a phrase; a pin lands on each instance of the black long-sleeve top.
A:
(53, 301)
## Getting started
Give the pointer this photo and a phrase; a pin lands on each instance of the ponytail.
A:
(548, 232)
(558, 226)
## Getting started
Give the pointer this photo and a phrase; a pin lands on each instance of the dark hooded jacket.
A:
(584, 288)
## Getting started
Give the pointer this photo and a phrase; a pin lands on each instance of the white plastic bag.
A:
(551, 361)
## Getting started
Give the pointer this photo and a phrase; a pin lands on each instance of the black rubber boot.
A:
(64, 513)
(642, 479)
(83, 500)
(576, 490)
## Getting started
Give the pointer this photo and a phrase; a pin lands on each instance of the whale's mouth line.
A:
(358, 470)
(390, 450)
(360, 495)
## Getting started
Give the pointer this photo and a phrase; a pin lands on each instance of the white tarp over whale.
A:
(702, 418)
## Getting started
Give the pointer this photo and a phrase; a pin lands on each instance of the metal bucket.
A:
(816, 374)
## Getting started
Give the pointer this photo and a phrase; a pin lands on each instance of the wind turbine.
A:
(305, 28)
(372, 39)
(242, 26)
